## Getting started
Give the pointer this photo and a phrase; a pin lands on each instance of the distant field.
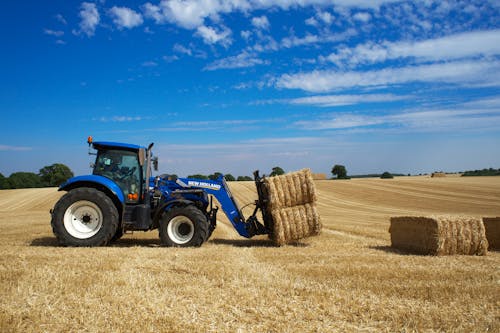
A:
(346, 279)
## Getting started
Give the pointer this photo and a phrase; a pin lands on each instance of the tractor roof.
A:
(115, 145)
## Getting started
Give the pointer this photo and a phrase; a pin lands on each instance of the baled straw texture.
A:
(294, 223)
(439, 235)
(492, 227)
(291, 189)
(292, 207)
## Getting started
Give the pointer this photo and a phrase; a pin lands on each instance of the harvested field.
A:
(346, 279)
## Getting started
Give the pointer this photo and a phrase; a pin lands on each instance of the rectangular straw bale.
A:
(439, 235)
(492, 227)
(294, 223)
(292, 189)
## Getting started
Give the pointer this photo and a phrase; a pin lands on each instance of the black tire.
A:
(118, 234)
(84, 217)
(184, 226)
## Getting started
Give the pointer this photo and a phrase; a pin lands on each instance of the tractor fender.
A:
(167, 205)
(99, 182)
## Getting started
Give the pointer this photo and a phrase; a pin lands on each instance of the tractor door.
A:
(124, 169)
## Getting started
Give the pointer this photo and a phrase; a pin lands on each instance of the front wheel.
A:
(183, 227)
(84, 217)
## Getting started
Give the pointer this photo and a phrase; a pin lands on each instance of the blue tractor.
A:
(121, 195)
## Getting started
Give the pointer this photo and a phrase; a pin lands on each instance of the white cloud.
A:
(242, 60)
(426, 120)
(245, 34)
(153, 12)
(170, 58)
(212, 36)
(90, 18)
(14, 148)
(56, 33)
(362, 17)
(191, 14)
(458, 72)
(326, 17)
(261, 22)
(182, 49)
(457, 46)
(61, 19)
(120, 119)
(341, 100)
(125, 17)
(312, 21)
(294, 41)
(149, 64)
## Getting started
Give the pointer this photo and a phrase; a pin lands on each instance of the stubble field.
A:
(346, 279)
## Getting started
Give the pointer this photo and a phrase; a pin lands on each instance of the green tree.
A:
(244, 178)
(3, 182)
(198, 176)
(229, 177)
(55, 174)
(214, 176)
(24, 180)
(386, 175)
(277, 171)
(339, 171)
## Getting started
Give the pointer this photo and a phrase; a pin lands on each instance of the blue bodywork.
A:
(85, 181)
(164, 193)
(218, 188)
(115, 145)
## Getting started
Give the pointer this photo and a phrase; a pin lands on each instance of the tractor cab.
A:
(124, 165)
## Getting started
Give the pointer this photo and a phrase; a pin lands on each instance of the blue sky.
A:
(234, 86)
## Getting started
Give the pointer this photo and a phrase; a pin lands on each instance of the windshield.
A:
(123, 168)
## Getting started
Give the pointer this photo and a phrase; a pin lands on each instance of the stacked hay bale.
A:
(492, 228)
(439, 235)
(292, 206)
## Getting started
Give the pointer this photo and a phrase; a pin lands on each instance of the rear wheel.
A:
(183, 227)
(84, 217)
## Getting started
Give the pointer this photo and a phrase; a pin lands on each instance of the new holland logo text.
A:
(204, 185)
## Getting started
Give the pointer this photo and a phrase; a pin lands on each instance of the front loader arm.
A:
(219, 189)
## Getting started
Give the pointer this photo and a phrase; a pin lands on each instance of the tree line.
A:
(48, 176)
(276, 171)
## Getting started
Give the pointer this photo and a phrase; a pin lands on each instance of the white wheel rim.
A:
(180, 229)
(83, 219)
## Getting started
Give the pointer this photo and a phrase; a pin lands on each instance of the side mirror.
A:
(155, 163)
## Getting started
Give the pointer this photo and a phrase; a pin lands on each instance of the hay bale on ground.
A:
(291, 206)
(319, 176)
(294, 223)
(492, 228)
(439, 235)
(438, 174)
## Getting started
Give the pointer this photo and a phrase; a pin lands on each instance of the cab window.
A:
(123, 168)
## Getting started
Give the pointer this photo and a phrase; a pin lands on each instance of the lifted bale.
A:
(439, 235)
(492, 227)
(290, 209)
(292, 189)
(294, 223)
